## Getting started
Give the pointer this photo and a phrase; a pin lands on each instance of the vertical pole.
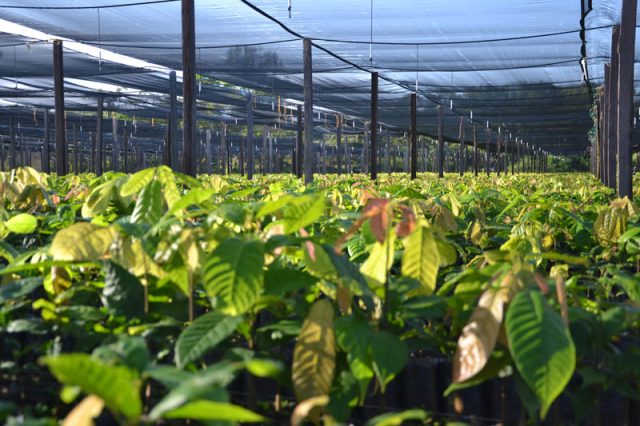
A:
(612, 91)
(347, 155)
(339, 142)
(299, 143)
(498, 145)
(388, 151)
(45, 147)
(626, 58)
(241, 156)
(374, 126)
(440, 155)
(250, 143)
(270, 162)
(224, 148)
(265, 152)
(189, 86)
(115, 148)
(172, 140)
(125, 149)
(207, 148)
(58, 83)
(413, 166)
(461, 152)
(487, 148)
(97, 161)
(309, 152)
(75, 148)
(475, 151)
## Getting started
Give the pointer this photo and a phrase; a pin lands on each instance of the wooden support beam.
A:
(250, 142)
(125, 149)
(440, 155)
(414, 136)
(612, 91)
(487, 157)
(97, 161)
(387, 151)
(189, 115)
(309, 152)
(115, 147)
(626, 58)
(46, 155)
(374, 126)
(58, 87)
(75, 148)
(461, 151)
(172, 140)
(208, 152)
(475, 151)
(339, 143)
(299, 143)
(241, 156)
(264, 158)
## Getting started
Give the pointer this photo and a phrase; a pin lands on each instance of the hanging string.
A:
(289, 9)
(99, 42)
(15, 67)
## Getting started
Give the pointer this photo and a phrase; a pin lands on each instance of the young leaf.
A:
(117, 386)
(303, 211)
(353, 334)
(314, 354)
(421, 258)
(84, 413)
(203, 335)
(137, 181)
(541, 346)
(398, 418)
(22, 223)
(122, 292)
(377, 265)
(214, 411)
(234, 275)
(479, 336)
(148, 207)
(82, 241)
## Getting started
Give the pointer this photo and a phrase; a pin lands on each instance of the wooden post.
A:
(626, 58)
(461, 151)
(612, 91)
(498, 143)
(97, 161)
(475, 151)
(339, 143)
(487, 147)
(265, 152)
(75, 148)
(58, 84)
(241, 156)
(46, 163)
(172, 140)
(299, 143)
(347, 155)
(440, 155)
(387, 151)
(413, 167)
(115, 148)
(250, 142)
(374, 127)
(125, 149)
(270, 161)
(209, 154)
(309, 152)
(189, 115)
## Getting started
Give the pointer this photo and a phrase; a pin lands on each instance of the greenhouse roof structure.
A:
(527, 67)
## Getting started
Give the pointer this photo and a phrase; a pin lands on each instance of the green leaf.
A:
(421, 258)
(148, 208)
(194, 197)
(22, 223)
(397, 418)
(280, 281)
(122, 292)
(7, 251)
(389, 354)
(203, 335)
(377, 265)
(353, 334)
(541, 346)
(119, 387)
(303, 211)
(314, 354)
(214, 411)
(499, 360)
(137, 181)
(18, 289)
(82, 241)
(233, 274)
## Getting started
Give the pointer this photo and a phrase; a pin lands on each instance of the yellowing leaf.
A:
(84, 413)
(305, 407)
(377, 265)
(82, 241)
(479, 336)
(421, 258)
(314, 354)
(22, 223)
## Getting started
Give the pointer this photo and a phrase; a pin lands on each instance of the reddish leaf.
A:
(377, 210)
(407, 224)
